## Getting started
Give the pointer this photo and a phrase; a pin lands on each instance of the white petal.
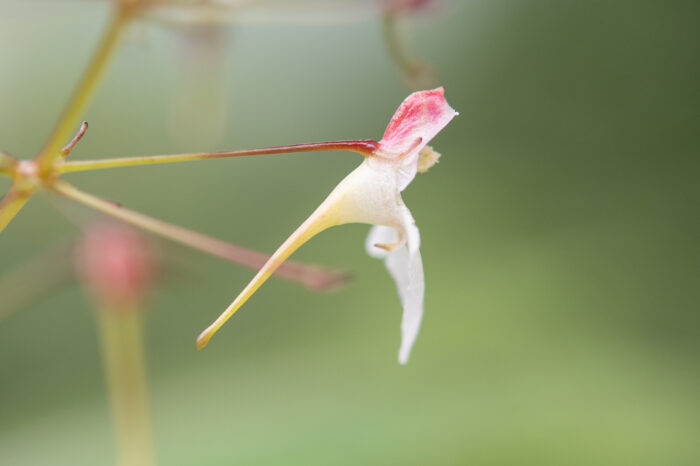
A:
(406, 267)
(380, 234)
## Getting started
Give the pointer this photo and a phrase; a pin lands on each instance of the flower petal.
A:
(380, 234)
(406, 268)
(418, 119)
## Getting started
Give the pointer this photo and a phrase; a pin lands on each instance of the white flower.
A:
(372, 194)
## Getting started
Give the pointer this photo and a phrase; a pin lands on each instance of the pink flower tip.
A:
(420, 117)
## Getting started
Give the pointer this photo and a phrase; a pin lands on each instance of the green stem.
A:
(85, 90)
(409, 67)
(121, 332)
(364, 147)
(7, 163)
(10, 205)
(313, 277)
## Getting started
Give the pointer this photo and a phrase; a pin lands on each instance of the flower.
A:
(372, 194)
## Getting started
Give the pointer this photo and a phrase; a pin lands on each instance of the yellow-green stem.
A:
(121, 332)
(10, 206)
(74, 110)
(7, 163)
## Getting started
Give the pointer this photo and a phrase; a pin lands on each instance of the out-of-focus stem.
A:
(411, 68)
(85, 90)
(10, 205)
(34, 279)
(364, 147)
(7, 163)
(121, 332)
(313, 277)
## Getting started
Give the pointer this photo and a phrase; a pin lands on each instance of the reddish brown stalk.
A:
(365, 147)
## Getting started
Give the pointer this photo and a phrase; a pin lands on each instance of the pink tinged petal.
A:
(406, 268)
(420, 117)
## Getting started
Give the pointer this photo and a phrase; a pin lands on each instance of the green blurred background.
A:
(560, 240)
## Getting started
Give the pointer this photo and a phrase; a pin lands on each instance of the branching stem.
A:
(85, 90)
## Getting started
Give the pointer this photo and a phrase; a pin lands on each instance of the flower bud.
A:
(115, 264)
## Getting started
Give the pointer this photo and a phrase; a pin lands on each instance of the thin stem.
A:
(313, 277)
(121, 332)
(33, 280)
(76, 139)
(411, 69)
(85, 90)
(10, 205)
(7, 163)
(364, 147)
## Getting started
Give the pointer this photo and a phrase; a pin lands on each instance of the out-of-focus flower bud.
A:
(115, 264)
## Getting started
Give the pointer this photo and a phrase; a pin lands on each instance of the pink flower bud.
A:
(115, 264)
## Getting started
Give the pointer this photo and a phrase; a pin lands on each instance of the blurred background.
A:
(560, 238)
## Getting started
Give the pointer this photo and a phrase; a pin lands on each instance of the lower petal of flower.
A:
(406, 268)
